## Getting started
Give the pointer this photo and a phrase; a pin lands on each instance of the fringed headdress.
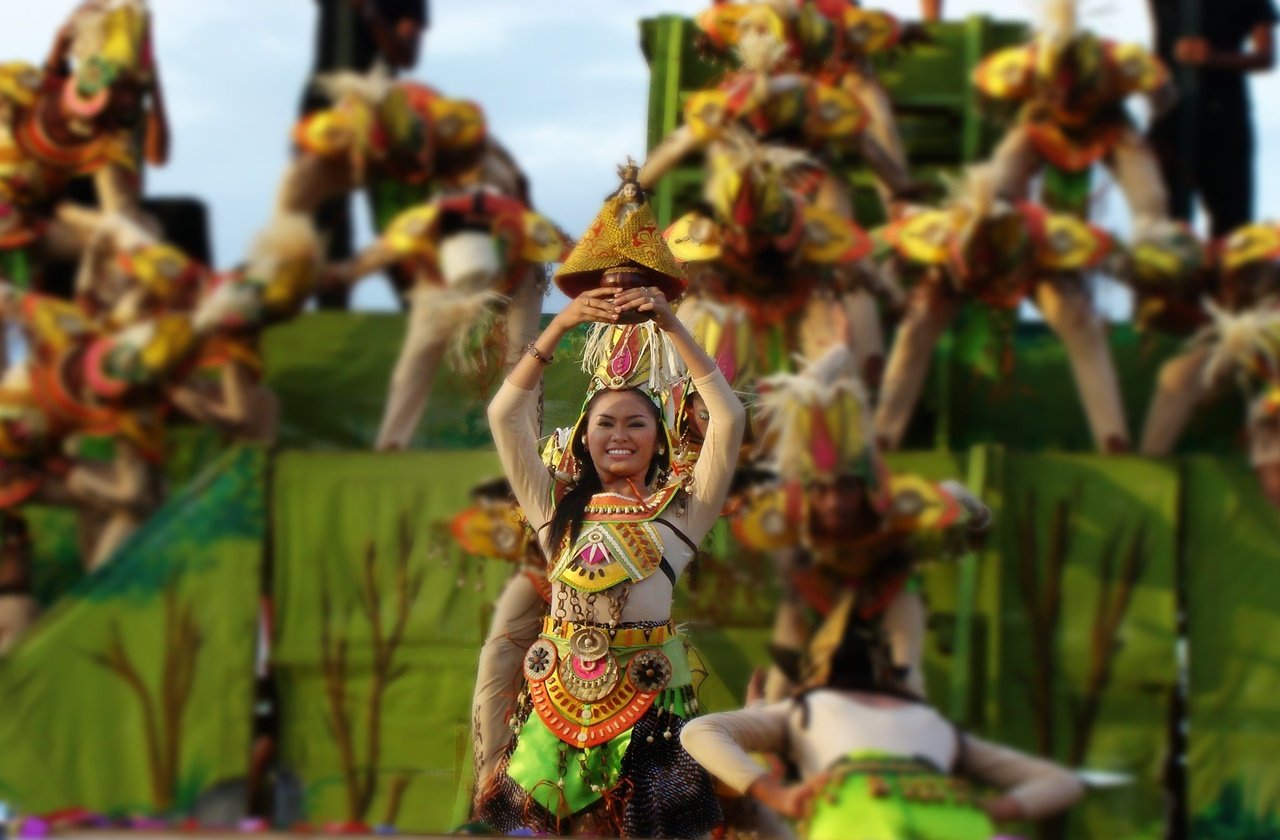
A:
(814, 431)
(632, 357)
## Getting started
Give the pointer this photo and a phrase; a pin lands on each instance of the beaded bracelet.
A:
(533, 351)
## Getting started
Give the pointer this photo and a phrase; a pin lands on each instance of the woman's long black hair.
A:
(566, 519)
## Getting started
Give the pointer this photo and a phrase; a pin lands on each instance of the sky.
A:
(563, 84)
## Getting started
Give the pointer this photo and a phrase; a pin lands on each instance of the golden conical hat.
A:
(623, 234)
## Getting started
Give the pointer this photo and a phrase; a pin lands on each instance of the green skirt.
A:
(879, 797)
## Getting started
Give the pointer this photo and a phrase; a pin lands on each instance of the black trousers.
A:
(1219, 168)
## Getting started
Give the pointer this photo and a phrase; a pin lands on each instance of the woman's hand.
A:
(1192, 50)
(1003, 809)
(592, 306)
(792, 801)
(648, 299)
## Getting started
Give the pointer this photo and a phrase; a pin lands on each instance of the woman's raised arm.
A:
(513, 414)
(713, 473)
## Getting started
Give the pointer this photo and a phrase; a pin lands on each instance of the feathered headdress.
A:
(1248, 342)
(817, 431)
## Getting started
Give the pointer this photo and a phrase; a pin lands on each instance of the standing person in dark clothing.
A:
(1206, 143)
(356, 35)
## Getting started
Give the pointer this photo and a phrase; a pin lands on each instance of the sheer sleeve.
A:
(721, 742)
(1040, 786)
(719, 457)
(514, 422)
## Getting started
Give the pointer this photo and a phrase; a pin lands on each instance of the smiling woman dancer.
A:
(608, 686)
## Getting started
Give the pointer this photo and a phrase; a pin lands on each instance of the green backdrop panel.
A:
(330, 511)
(1233, 623)
(133, 695)
(331, 370)
(1086, 642)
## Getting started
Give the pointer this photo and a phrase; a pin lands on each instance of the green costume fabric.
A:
(880, 797)
(1068, 192)
(535, 766)
(16, 267)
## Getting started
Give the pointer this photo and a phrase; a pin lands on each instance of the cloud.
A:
(561, 30)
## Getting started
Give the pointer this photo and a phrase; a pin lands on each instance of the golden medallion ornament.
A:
(589, 643)
(589, 679)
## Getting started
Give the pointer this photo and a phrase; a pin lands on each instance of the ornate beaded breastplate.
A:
(589, 685)
(618, 543)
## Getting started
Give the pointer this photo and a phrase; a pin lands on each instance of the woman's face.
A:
(621, 435)
(841, 510)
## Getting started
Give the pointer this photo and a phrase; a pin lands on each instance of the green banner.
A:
(134, 693)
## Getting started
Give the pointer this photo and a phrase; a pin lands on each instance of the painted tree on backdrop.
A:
(1041, 585)
(387, 614)
(164, 704)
